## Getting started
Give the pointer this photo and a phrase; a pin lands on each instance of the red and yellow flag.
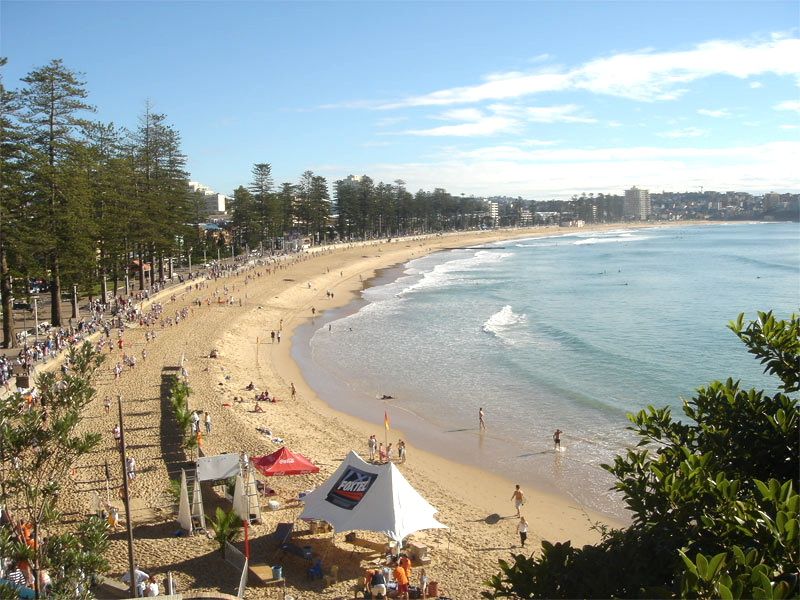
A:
(386, 420)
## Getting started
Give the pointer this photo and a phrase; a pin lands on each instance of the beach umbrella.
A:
(284, 462)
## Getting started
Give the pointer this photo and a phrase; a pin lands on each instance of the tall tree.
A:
(111, 188)
(266, 204)
(13, 224)
(244, 217)
(52, 105)
(161, 188)
(286, 204)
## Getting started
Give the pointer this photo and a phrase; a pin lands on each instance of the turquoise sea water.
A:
(569, 332)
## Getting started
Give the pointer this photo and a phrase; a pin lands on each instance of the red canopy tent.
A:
(284, 462)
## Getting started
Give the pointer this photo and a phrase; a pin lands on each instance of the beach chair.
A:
(281, 535)
(305, 552)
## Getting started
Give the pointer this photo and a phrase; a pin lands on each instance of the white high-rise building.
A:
(214, 202)
(637, 204)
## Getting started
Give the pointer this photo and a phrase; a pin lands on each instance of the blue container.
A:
(277, 572)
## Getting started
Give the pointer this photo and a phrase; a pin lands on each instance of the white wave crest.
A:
(611, 240)
(502, 321)
(455, 271)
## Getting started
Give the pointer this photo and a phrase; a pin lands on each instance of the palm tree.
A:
(226, 526)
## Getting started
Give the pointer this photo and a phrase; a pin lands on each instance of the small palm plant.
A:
(226, 526)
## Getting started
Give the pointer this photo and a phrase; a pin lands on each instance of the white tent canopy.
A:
(184, 513)
(363, 497)
(245, 499)
(221, 466)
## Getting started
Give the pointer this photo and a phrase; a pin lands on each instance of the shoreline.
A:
(474, 504)
(464, 447)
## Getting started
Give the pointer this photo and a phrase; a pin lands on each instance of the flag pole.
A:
(386, 429)
(126, 491)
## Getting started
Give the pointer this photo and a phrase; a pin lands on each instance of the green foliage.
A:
(38, 448)
(80, 556)
(226, 525)
(174, 490)
(713, 498)
(179, 400)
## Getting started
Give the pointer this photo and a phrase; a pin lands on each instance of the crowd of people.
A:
(382, 454)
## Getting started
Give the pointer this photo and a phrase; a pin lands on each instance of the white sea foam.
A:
(501, 322)
(625, 237)
(455, 271)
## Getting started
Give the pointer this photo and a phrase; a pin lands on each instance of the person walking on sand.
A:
(373, 447)
(557, 439)
(519, 499)
(522, 529)
(481, 422)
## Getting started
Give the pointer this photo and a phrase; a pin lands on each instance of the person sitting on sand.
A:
(250, 387)
(258, 408)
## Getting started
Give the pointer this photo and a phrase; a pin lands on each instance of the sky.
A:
(535, 99)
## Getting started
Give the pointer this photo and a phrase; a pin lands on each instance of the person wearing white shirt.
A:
(522, 528)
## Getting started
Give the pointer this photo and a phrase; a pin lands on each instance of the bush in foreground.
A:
(714, 498)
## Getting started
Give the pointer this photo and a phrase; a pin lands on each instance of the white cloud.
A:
(501, 118)
(648, 75)
(498, 86)
(563, 113)
(717, 114)
(534, 143)
(790, 127)
(756, 84)
(645, 75)
(792, 105)
(486, 125)
(462, 114)
(559, 173)
(389, 121)
(686, 132)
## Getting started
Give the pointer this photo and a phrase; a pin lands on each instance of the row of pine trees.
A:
(82, 200)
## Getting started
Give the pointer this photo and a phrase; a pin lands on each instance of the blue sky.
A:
(537, 99)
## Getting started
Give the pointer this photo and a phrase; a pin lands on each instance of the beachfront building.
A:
(211, 202)
(494, 212)
(637, 204)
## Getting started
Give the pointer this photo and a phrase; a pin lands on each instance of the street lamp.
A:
(36, 317)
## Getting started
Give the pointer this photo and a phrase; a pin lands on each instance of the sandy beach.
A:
(235, 316)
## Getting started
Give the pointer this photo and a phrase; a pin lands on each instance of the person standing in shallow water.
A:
(557, 439)
(481, 422)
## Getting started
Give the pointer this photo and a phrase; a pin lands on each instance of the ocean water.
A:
(568, 331)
